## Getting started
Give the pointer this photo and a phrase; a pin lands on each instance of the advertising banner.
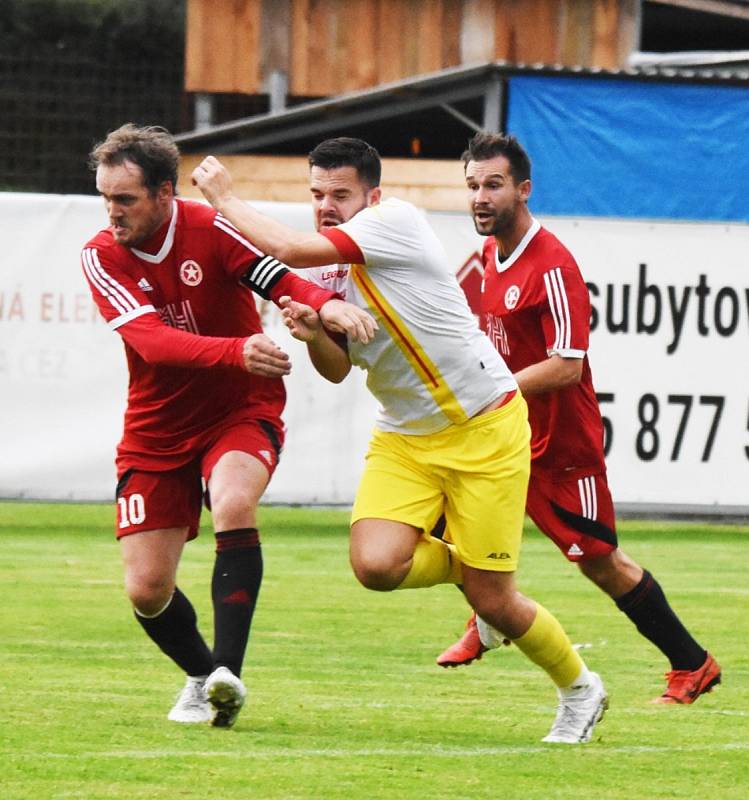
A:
(669, 352)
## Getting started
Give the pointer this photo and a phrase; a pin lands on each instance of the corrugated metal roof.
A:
(427, 91)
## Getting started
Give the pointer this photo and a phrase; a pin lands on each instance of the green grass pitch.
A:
(345, 700)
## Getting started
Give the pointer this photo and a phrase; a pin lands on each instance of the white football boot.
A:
(191, 704)
(580, 708)
(226, 693)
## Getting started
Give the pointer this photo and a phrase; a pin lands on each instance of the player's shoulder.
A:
(195, 214)
(549, 248)
(392, 209)
(103, 248)
(103, 240)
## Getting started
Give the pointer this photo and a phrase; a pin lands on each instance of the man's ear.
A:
(374, 196)
(525, 188)
(166, 191)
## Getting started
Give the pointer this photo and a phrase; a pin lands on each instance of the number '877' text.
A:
(666, 426)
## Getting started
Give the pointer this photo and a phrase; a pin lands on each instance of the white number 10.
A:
(132, 510)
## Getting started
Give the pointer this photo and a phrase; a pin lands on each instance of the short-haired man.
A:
(452, 427)
(537, 312)
(204, 402)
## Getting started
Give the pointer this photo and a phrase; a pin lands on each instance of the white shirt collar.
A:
(166, 246)
(518, 251)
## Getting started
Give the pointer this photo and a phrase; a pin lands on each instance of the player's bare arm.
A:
(328, 357)
(262, 356)
(556, 372)
(290, 246)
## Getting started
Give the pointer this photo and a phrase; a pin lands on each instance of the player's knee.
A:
(613, 572)
(378, 573)
(232, 510)
(148, 596)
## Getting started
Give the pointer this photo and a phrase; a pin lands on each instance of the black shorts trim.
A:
(588, 527)
(272, 435)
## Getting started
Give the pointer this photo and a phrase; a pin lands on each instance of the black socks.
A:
(175, 631)
(647, 607)
(237, 575)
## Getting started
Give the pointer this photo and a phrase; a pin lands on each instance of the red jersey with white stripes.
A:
(179, 308)
(535, 304)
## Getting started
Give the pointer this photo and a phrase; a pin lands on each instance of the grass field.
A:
(345, 699)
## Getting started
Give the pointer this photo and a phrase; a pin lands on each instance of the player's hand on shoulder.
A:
(262, 356)
(342, 317)
(302, 320)
(213, 180)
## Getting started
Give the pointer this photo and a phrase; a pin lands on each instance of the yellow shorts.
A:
(475, 473)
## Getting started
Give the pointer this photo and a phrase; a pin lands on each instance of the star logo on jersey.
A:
(512, 295)
(190, 273)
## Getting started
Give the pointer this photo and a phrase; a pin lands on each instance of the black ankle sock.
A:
(647, 607)
(175, 631)
(237, 575)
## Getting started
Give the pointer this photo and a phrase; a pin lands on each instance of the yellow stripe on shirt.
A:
(411, 349)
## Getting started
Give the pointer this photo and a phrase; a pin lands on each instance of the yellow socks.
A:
(546, 644)
(434, 562)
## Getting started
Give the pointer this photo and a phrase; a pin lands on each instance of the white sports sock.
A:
(580, 683)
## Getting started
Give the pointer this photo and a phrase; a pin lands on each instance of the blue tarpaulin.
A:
(619, 148)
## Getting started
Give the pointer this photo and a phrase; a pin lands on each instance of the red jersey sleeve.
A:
(127, 309)
(265, 275)
(347, 248)
(566, 311)
(158, 343)
(116, 294)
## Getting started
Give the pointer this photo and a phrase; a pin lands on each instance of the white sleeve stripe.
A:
(566, 352)
(226, 222)
(223, 225)
(566, 308)
(113, 291)
(553, 308)
(595, 496)
(265, 270)
(86, 260)
(115, 286)
(558, 299)
(134, 314)
(558, 303)
(583, 504)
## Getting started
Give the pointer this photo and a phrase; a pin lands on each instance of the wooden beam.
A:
(430, 184)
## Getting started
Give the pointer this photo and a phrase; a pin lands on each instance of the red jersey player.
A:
(536, 310)
(204, 402)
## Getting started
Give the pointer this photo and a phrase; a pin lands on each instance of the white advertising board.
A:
(669, 352)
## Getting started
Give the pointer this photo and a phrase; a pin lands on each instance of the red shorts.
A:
(150, 500)
(577, 515)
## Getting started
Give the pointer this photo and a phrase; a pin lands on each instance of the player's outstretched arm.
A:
(293, 247)
(328, 357)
